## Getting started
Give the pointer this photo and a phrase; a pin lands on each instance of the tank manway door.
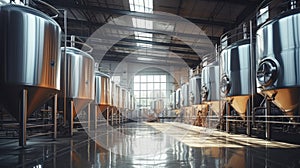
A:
(267, 72)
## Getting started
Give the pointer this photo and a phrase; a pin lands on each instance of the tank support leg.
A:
(71, 119)
(249, 109)
(119, 117)
(54, 116)
(227, 117)
(89, 117)
(93, 118)
(112, 117)
(267, 114)
(23, 118)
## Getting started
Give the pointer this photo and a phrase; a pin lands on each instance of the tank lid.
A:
(76, 51)
(27, 9)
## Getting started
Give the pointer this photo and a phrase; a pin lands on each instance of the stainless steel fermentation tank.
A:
(278, 65)
(80, 84)
(195, 90)
(210, 87)
(29, 56)
(30, 62)
(157, 106)
(185, 98)
(236, 75)
(173, 100)
(178, 98)
(123, 99)
(102, 91)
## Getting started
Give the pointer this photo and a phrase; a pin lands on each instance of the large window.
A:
(149, 87)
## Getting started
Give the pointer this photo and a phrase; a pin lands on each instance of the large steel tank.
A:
(185, 99)
(278, 65)
(132, 102)
(80, 76)
(173, 100)
(236, 75)
(30, 57)
(123, 99)
(118, 96)
(178, 98)
(102, 91)
(195, 90)
(210, 87)
(157, 106)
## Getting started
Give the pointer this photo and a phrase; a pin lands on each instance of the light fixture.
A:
(144, 59)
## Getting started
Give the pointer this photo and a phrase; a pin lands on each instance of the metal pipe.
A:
(39, 125)
(40, 134)
(54, 116)
(252, 75)
(245, 30)
(50, 7)
(26, 2)
(23, 118)
(65, 67)
(72, 41)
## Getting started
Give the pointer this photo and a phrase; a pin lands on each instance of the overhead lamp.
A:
(144, 59)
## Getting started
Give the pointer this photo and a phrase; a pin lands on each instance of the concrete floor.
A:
(144, 144)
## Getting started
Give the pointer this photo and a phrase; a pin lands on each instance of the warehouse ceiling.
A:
(155, 35)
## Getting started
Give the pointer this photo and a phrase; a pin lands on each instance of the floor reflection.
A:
(82, 151)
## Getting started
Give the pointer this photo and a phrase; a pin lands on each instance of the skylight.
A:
(145, 6)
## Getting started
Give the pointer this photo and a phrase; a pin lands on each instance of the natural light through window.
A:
(145, 6)
(148, 88)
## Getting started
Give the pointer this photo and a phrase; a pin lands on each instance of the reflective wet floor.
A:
(150, 145)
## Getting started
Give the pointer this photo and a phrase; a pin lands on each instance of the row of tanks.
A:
(35, 68)
(256, 73)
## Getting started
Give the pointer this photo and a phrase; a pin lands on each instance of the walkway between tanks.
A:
(170, 144)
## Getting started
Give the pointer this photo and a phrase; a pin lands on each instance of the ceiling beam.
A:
(62, 4)
(117, 56)
(239, 2)
(124, 46)
(144, 30)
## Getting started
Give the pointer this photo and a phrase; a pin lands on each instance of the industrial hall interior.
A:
(149, 83)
